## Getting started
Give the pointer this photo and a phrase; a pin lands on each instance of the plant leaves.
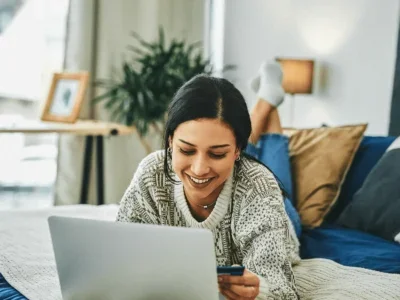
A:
(140, 91)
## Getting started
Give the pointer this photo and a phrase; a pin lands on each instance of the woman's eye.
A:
(192, 152)
(217, 156)
(187, 152)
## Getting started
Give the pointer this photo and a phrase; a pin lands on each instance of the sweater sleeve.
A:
(137, 204)
(263, 236)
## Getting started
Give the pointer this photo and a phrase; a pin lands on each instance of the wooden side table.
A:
(88, 128)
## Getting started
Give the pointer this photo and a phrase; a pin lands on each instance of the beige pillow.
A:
(320, 159)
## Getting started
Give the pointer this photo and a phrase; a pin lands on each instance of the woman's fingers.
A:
(248, 278)
(230, 295)
(246, 286)
(243, 292)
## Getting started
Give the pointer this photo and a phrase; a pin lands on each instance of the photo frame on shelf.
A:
(65, 97)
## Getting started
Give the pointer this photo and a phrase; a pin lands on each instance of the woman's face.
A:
(203, 155)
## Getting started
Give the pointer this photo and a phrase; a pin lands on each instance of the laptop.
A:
(111, 260)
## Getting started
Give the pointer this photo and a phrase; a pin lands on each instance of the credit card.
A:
(230, 270)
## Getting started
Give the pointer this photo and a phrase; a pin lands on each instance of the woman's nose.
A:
(200, 166)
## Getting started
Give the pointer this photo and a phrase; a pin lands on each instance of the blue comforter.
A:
(7, 292)
(351, 248)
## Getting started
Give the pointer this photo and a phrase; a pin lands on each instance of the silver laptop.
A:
(110, 260)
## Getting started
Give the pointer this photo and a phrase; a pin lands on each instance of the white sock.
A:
(270, 83)
(255, 84)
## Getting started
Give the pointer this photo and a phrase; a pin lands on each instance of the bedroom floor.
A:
(25, 199)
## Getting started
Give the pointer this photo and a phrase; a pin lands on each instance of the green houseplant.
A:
(148, 82)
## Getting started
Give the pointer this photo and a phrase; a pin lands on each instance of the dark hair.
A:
(207, 97)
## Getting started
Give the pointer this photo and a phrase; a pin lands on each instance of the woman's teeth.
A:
(199, 180)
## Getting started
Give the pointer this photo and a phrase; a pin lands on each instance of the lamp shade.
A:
(297, 75)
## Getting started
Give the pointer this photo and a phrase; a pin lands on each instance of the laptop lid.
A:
(110, 260)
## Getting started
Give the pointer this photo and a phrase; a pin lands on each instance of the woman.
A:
(204, 179)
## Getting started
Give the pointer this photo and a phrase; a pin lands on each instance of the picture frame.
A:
(65, 97)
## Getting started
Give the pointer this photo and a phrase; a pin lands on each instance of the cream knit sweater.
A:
(248, 222)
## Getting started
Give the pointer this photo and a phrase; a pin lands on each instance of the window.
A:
(216, 34)
(32, 40)
(32, 43)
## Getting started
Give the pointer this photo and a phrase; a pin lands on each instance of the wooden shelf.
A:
(81, 127)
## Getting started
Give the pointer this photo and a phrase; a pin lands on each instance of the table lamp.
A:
(297, 77)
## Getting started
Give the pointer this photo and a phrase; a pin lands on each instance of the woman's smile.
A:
(199, 183)
(204, 153)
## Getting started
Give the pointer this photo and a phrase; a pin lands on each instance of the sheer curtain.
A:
(80, 41)
(98, 35)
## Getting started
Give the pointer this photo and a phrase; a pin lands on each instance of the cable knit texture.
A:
(248, 222)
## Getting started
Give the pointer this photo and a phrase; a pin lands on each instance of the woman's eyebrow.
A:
(220, 146)
(212, 147)
(187, 143)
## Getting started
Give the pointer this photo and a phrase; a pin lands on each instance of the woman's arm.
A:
(263, 237)
(137, 205)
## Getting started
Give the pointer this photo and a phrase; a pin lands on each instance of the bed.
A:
(28, 267)
(351, 248)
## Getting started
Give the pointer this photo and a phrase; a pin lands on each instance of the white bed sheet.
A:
(27, 261)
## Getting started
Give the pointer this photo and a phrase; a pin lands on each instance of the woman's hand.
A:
(245, 287)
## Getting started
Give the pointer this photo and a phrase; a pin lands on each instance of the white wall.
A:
(353, 42)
